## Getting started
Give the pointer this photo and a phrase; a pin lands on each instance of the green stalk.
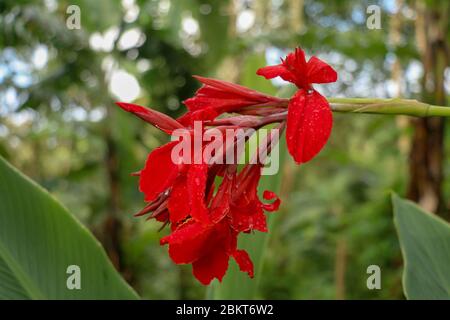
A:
(408, 107)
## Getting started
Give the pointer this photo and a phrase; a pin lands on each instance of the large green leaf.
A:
(425, 244)
(39, 239)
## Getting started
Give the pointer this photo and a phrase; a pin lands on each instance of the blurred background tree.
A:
(59, 125)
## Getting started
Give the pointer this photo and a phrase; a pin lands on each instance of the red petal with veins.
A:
(178, 209)
(246, 211)
(320, 72)
(248, 218)
(185, 233)
(214, 265)
(196, 185)
(244, 262)
(187, 242)
(191, 248)
(159, 172)
(309, 124)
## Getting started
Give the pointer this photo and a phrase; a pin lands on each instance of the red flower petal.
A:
(188, 242)
(320, 72)
(189, 251)
(233, 88)
(244, 262)
(158, 119)
(292, 69)
(185, 233)
(196, 185)
(295, 69)
(296, 63)
(189, 117)
(163, 216)
(159, 172)
(270, 195)
(216, 97)
(309, 124)
(248, 218)
(208, 96)
(179, 208)
(220, 203)
(271, 72)
(246, 212)
(213, 265)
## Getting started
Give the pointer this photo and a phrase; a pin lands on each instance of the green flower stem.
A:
(388, 106)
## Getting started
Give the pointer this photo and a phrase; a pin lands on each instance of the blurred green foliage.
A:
(59, 125)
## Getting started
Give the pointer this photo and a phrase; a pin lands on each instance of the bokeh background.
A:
(59, 125)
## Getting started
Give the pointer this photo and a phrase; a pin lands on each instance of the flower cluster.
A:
(209, 203)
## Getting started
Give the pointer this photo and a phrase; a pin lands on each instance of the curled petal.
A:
(244, 262)
(269, 195)
(320, 72)
(309, 124)
(159, 172)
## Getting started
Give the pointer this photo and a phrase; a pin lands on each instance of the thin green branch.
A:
(388, 106)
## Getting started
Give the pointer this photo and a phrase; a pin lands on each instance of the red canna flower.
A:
(309, 119)
(295, 69)
(205, 219)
